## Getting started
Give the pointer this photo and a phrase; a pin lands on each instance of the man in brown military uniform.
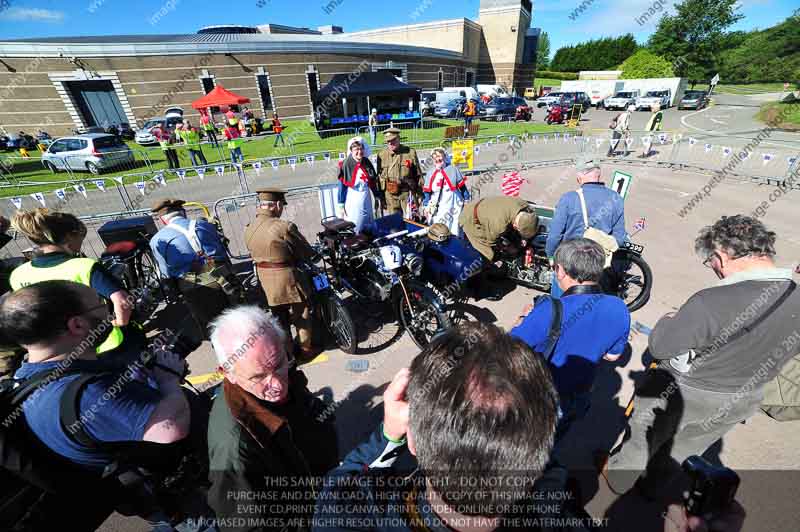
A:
(277, 246)
(486, 219)
(399, 173)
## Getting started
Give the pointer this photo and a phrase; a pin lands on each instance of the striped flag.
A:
(639, 224)
(511, 184)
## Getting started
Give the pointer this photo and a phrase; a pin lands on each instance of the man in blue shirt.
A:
(60, 323)
(594, 326)
(605, 211)
(191, 253)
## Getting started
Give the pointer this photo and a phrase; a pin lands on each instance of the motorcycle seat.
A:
(337, 225)
(123, 248)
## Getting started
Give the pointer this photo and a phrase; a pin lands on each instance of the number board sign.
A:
(620, 183)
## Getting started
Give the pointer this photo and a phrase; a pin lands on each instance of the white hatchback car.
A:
(92, 152)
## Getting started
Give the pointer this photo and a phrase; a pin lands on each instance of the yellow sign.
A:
(463, 153)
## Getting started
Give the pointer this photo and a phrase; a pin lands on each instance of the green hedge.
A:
(556, 75)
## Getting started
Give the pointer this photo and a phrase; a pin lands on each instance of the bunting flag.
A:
(61, 194)
(490, 142)
(201, 173)
(639, 224)
(38, 196)
(534, 137)
(598, 142)
(17, 202)
(160, 179)
(692, 141)
(220, 170)
(239, 167)
(662, 138)
(766, 158)
(120, 180)
(790, 161)
(726, 151)
(544, 138)
(511, 183)
(80, 188)
(275, 163)
(566, 137)
(257, 167)
(310, 159)
(614, 143)
(556, 135)
(327, 157)
(140, 187)
(629, 141)
(647, 141)
(181, 174)
(677, 138)
(744, 155)
(100, 184)
(477, 150)
(341, 156)
(293, 162)
(708, 147)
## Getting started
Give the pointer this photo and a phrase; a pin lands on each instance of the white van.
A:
(464, 92)
(445, 97)
(493, 90)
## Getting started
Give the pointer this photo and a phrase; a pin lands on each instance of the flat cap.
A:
(391, 133)
(585, 162)
(168, 204)
(272, 194)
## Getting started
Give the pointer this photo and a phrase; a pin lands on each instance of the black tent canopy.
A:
(381, 83)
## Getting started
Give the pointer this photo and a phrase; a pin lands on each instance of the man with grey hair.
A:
(715, 354)
(594, 326)
(267, 435)
(604, 211)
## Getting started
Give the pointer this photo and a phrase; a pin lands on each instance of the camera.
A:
(712, 488)
(179, 344)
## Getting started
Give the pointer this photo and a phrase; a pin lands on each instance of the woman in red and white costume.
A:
(358, 185)
(445, 192)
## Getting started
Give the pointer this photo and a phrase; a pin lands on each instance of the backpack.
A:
(782, 394)
(128, 484)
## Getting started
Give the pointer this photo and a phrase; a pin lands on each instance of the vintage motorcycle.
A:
(383, 267)
(526, 263)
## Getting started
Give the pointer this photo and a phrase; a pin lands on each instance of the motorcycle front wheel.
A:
(340, 324)
(630, 278)
(421, 314)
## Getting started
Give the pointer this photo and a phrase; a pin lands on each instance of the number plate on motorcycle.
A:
(321, 282)
(392, 257)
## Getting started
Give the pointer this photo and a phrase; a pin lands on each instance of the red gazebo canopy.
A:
(218, 97)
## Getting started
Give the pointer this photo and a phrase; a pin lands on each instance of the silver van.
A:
(92, 152)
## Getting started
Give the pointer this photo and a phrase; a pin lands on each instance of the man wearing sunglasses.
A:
(715, 354)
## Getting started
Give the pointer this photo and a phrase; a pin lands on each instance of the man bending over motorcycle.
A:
(494, 226)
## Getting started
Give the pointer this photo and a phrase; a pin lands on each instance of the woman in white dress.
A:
(445, 192)
(358, 185)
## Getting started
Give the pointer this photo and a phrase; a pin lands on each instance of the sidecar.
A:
(451, 261)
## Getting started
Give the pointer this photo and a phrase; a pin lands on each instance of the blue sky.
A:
(23, 19)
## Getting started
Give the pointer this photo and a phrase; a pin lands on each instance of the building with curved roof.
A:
(63, 83)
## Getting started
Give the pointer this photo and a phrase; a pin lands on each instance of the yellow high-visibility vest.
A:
(79, 270)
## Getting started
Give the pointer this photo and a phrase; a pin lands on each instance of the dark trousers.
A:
(279, 137)
(212, 136)
(172, 159)
(671, 422)
(194, 155)
(612, 146)
(205, 298)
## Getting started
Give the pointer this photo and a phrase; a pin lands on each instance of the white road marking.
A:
(723, 133)
(718, 121)
(684, 117)
(682, 193)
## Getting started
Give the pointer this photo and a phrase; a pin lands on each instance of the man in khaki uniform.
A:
(277, 246)
(485, 220)
(399, 173)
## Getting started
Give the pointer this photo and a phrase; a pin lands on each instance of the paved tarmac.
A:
(763, 451)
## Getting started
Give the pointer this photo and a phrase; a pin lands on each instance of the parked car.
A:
(549, 98)
(693, 100)
(145, 137)
(569, 99)
(91, 152)
(500, 108)
(621, 100)
(453, 109)
(660, 97)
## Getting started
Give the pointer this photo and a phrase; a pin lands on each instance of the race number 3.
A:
(621, 183)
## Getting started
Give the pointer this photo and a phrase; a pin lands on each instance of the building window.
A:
(312, 76)
(440, 81)
(470, 76)
(207, 81)
(265, 91)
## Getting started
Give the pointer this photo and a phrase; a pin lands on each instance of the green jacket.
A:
(271, 451)
(494, 215)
